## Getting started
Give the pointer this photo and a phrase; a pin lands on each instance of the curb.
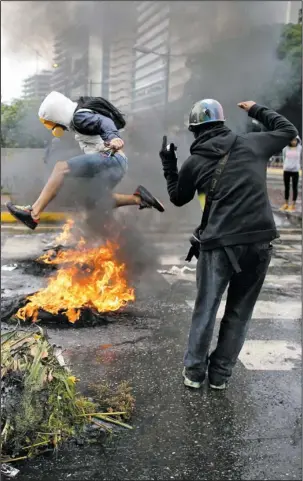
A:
(46, 217)
(273, 170)
(293, 217)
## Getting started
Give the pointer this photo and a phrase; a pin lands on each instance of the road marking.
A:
(174, 261)
(270, 355)
(185, 273)
(267, 310)
(171, 260)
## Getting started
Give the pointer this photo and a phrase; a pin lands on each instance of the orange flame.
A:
(87, 277)
(66, 233)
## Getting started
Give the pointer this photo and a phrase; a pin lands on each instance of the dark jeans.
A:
(295, 180)
(214, 273)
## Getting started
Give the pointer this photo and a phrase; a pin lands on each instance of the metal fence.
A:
(276, 161)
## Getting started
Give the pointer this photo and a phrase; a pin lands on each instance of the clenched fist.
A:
(246, 105)
(116, 144)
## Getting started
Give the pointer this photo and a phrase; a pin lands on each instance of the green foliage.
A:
(119, 399)
(290, 49)
(20, 125)
(291, 43)
(40, 407)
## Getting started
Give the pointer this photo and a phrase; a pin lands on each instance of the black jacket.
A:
(241, 211)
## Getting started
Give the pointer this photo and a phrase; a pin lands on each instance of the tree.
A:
(20, 125)
(290, 51)
(290, 48)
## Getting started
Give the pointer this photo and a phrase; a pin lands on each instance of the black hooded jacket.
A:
(240, 211)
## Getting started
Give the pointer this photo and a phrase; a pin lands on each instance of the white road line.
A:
(175, 261)
(175, 273)
(260, 355)
(291, 310)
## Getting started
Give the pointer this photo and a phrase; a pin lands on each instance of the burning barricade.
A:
(40, 405)
(87, 278)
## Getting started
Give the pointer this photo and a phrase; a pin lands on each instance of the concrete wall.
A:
(24, 173)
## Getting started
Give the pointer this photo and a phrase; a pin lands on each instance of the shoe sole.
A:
(218, 388)
(188, 383)
(156, 204)
(20, 220)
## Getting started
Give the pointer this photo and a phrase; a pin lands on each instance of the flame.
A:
(87, 277)
(66, 233)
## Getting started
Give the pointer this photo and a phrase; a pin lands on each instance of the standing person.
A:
(292, 157)
(96, 123)
(235, 245)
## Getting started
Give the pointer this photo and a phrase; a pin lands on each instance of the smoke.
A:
(230, 54)
(238, 59)
(30, 26)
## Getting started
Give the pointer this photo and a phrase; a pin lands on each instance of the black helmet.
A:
(204, 112)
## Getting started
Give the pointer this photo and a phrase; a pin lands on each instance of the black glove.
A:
(168, 156)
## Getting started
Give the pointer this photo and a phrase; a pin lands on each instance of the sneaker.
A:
(148, 200)
(291, 208)
(190, 383)
(23, 213)
(218, 387)
(284, 207)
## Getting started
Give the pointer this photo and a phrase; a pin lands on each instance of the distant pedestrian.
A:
(292, 159)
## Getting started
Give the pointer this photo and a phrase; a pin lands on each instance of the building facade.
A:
(151, 55)
(71, 55)
(37, 86)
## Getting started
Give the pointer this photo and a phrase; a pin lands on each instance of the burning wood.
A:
(87, 277)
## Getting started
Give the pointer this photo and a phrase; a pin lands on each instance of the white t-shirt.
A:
(292, 158)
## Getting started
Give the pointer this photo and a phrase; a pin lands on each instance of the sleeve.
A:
(180, 185)
(280, 130)
(96, 124)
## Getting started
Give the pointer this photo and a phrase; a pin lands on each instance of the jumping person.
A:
(292, 156)
(96, 124)
(235, 245)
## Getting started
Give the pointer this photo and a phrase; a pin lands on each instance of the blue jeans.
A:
(110, 168)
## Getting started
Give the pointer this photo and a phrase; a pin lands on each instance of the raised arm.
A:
(280, 130)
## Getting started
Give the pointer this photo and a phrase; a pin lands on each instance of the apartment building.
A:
(151, 55)
(93, 58)
(37, 86)
(71, 61)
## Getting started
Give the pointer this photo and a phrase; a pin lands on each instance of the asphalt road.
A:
(252, 431)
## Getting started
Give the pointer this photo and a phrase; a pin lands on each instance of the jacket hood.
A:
(213, 143)
(58, 109)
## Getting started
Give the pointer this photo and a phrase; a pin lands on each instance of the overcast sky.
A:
(18, 51)
(14, 69)
(19, 60)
